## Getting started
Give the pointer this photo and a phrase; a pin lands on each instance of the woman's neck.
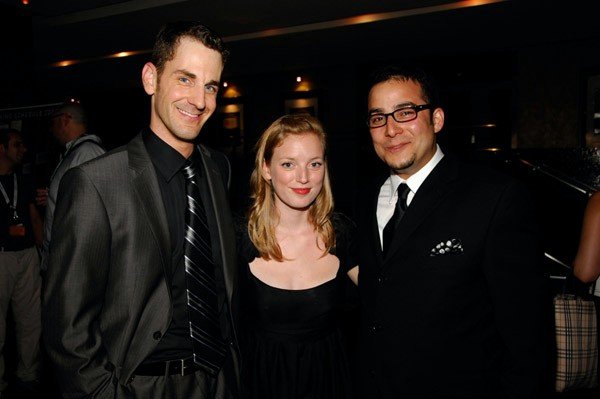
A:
(292, 220)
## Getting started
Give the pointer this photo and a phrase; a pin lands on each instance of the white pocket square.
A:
(451, 246)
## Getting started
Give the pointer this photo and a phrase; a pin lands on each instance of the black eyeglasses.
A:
(405, 114)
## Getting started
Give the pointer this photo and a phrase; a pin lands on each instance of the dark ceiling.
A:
(265, 35)
(83, 29)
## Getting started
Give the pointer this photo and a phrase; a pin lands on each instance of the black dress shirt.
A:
(168, 163)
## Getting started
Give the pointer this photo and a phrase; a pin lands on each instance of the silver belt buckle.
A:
(182, 367)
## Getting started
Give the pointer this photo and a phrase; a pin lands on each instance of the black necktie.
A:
(208, 344)
(390, 227)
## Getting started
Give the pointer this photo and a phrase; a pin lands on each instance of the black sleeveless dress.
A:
(292, 343)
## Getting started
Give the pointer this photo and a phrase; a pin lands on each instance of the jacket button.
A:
(130, 380)
(157, 335)
(375, 328)
(380, 279)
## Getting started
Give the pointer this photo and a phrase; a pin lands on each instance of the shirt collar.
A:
(415, 181)
(72, 142)
(165, 158)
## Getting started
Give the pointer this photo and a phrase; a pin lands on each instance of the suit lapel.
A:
(373, 223)
(429, 196)
(145, 185)
(223, 225)
(222, 220)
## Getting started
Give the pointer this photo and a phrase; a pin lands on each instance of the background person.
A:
(586, 266)
(69, 127)
(20, 281)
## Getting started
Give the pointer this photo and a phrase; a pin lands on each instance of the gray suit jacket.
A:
(107, 298)
(78, 151)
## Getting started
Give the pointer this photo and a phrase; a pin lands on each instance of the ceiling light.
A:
(64, 63)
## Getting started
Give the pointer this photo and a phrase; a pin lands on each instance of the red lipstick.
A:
(301, 191)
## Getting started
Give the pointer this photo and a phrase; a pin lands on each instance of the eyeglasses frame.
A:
(416, 108)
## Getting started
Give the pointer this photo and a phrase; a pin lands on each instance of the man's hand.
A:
(41, 196)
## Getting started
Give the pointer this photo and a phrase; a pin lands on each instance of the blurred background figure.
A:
(586, 266)
(20, 281)
(69, 127)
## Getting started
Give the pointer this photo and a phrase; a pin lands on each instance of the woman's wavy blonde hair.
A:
(263, 215)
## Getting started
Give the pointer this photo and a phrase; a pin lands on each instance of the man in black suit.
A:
(452, 290)
(123, 313)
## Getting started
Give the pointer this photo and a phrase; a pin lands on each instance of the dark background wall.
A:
(521, 67)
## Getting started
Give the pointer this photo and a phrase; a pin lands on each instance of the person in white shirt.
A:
(450, 275)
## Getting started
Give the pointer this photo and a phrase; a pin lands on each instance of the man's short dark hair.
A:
(170, 34)
(5, 135)
(405, 73)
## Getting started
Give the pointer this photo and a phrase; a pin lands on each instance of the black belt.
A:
(178, 366)
(9, 249)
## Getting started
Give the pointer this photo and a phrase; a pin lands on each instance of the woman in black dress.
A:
(296, 257)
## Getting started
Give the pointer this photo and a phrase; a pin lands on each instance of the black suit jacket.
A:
(107, 299)
(464, 324)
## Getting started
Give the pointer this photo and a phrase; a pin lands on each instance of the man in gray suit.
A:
(123, 315)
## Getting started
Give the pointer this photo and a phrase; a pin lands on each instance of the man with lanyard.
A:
(20, 281)
(68, 126)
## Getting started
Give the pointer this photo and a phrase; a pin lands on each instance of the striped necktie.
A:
(205, 331)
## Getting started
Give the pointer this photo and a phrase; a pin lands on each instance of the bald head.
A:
(68, 122)
(76, 112)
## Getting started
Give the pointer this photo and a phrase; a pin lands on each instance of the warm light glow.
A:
(474, 3)
(231, 92)
(303, 103)
(64, 63)
(224, 84)
(25, 2)
(360, 19)
(230, 108)
(304, 84)
(122, 54)
(355, 20)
